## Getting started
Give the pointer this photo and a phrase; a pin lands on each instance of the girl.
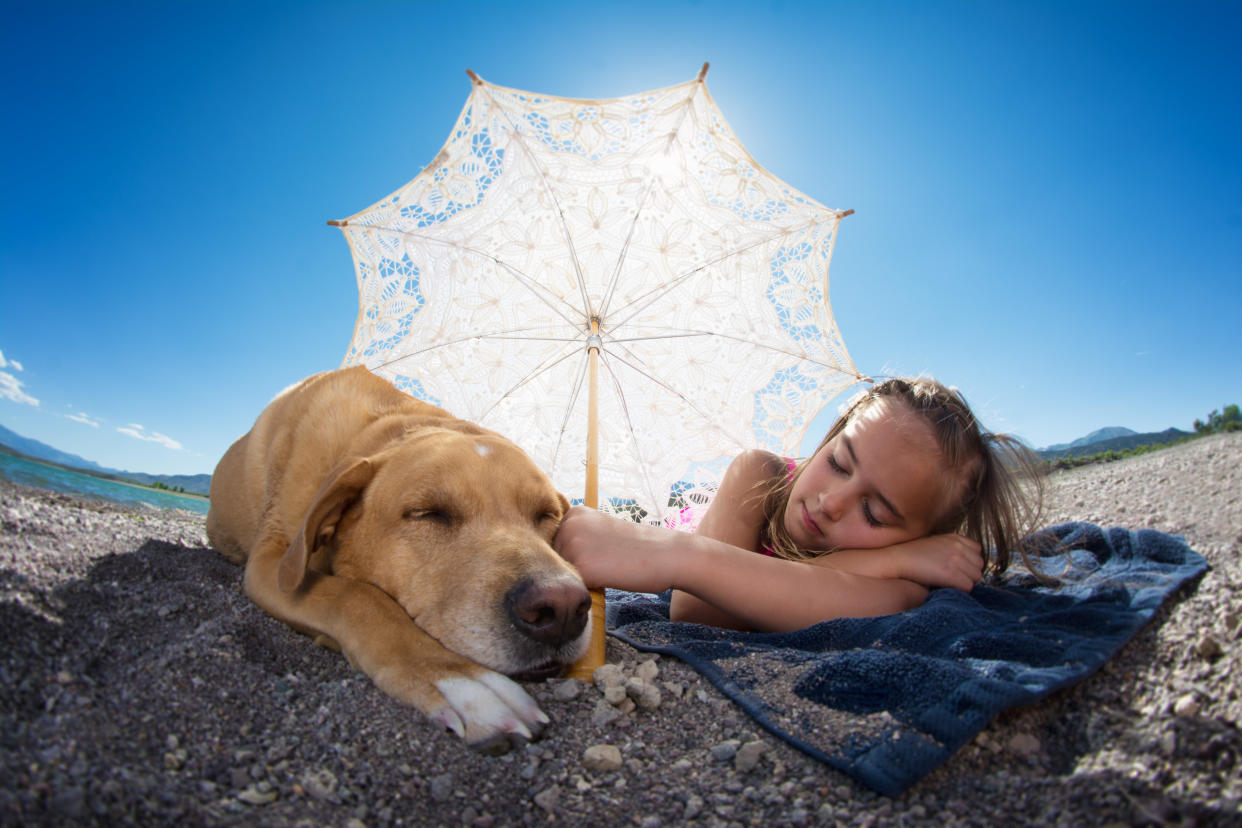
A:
(902, 496)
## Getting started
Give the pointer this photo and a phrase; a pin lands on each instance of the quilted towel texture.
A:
(888, 699)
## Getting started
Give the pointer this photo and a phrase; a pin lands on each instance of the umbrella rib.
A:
(629, 422)
(677, 333)
(569, 409)
(689, 403)
(520, 139)
(655, 294)
(542, 369)
(540, 292)
(642, 202)
(495, 335)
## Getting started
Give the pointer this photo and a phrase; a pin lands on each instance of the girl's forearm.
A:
(777, 595)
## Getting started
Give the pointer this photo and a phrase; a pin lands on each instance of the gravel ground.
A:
(140, 686)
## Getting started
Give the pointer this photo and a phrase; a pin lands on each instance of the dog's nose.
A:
(552, 612)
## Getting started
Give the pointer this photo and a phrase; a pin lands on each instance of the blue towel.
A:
(889, 699)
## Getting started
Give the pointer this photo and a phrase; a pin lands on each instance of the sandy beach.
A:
(138, 685)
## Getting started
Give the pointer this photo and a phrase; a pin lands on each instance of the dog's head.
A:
(456, 526)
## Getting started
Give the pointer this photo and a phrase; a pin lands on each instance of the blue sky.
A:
(1047, 194)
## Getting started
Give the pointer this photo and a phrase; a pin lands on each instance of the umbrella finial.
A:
(474, 78)
(702, 72)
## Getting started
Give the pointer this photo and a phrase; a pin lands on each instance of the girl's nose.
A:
(832, 503)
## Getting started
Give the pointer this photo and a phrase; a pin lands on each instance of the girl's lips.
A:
(811, 526)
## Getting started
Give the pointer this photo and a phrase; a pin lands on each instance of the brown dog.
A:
(417, 543)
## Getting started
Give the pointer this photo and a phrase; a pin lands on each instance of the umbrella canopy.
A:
(636, 231)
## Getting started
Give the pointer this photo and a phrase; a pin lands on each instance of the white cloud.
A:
(137, 431)
(17, 366)
(83, 418)
(11, 389)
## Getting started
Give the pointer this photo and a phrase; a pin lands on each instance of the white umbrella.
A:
(554, 240)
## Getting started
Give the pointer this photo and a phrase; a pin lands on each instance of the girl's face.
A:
(880, 482)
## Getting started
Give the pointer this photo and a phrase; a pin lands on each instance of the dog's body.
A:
(417, 543)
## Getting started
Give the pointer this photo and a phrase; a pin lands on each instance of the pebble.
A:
(567, 690)
(608, 675)
(605, 713)
(747, 756)
(1024, 744)
(647, 671)
(1186, 705)
(442, 787)
(253, 796)
(548, 798)
(645, 694)
(1208, 647)
(321, 783)
(726, 750)
(602, 758)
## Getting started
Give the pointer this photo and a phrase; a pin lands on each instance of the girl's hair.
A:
(1001, 480)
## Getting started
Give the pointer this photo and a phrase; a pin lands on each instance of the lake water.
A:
(32, 473)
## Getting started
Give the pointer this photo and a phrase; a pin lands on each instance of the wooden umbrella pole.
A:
(584, 668)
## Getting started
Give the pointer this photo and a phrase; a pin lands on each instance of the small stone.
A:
(645, 694)
(1186, 705)
(547, 798)
(615, 693)
(648, 670)
(650, 822)
(1024, 744)
(602, 758)
(1231, 621)
(320, 784)
(608, 675)
(567, 690)
(747, 756)
(442, 787)
(171, 761)
(694, 807)
(676, 688)
(726, 750)
(1208, 647)
(1168, 743)
(604, 714)
(252, 796)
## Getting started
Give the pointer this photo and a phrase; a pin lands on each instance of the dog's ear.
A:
(564, 501)
(341, 487)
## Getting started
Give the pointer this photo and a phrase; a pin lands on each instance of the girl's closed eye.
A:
(870, 517)
(837, 467)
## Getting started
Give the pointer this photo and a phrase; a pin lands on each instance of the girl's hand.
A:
(941, 561)
(608, 551)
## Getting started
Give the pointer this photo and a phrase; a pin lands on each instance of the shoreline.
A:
(120, 481)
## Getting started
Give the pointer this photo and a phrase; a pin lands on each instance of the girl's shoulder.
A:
(756, 465)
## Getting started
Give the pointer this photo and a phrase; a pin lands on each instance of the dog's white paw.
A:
(489, 711)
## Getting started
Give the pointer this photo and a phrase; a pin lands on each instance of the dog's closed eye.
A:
(436, 515)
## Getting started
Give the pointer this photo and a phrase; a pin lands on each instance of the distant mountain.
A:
(194, 483)
(42, 451)
(1128, 440)
(1097, 436)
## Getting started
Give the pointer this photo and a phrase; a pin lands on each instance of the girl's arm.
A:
(718, 578)
(753, 591)
(934, 561)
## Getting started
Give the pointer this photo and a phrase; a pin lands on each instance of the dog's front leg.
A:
(485, 708)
